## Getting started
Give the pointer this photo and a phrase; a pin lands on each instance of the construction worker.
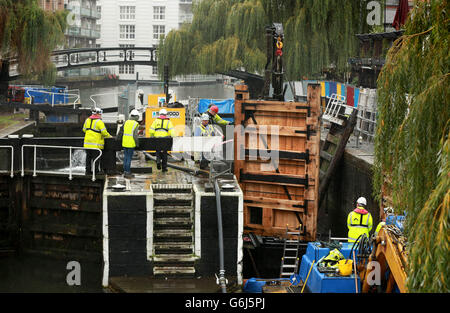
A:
(214, 117)
(160, 128)
(205, 129)
(359, 221)
(130, 140)
(95, 133)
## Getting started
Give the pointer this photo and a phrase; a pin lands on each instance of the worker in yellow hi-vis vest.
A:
(359, 221)
(95, 134)
(130, 141)
(160, 128)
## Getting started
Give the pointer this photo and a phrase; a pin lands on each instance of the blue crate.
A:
(319, 282)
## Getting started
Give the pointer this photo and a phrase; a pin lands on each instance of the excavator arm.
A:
(391, 255)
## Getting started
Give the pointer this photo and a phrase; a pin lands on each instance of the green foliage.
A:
(412, 141)
(30, 34)
(230, 34)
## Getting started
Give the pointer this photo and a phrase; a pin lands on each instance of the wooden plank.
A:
(275, 129)
(277, 106)
(279, 186)
(255, 200)
(268, 205)
(345, 132)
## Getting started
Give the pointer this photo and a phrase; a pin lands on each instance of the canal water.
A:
(38, 274)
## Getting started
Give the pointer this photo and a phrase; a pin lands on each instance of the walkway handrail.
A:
(12, 158)
(59, 147)
(77, 97)
(103, 94)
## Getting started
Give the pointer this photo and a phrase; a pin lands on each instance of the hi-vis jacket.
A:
(130, 129)
(162, 128)
(359, 222)
(202, 130)
(95, 132)
(216, 119)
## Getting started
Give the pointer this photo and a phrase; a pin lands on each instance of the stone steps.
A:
(173, 232)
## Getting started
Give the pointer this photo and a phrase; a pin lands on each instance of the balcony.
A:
(90, 12)
(82, 32)
(185, 1)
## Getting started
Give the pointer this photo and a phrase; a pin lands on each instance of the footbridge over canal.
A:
(87, 57)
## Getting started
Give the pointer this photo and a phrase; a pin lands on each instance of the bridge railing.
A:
(69, 148)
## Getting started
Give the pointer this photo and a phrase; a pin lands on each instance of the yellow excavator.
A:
(389, 252)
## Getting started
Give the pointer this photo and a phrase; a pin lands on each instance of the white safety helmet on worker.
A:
(361, 201)
(205, 117)
(97, 111)
(134, 112)
(163, 112)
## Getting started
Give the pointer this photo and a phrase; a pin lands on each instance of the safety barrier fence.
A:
(337, 108)
(367, 116)
(12, 159)
(70, 148)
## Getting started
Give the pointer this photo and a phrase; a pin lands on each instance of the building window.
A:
(126, 69)
(127, 31)
(158, 31)
(155, 70)
(159, 13)
(127, 12)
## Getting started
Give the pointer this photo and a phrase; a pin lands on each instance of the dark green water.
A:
(37, 274)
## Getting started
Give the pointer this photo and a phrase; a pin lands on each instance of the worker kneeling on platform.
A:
(95, 134)
(130, 140)
(160, 128)
(359, 221)
(205, 129)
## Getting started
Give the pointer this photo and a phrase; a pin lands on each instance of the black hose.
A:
(192, 171)
(361, 245)
(222, 279)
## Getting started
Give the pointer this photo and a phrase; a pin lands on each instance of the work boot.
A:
(128, 175)
(158, 166)
(164, 169)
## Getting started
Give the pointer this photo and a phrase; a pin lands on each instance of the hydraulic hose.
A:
(222, 279)
(192, 171)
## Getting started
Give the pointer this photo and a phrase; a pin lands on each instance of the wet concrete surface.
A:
(162, 285)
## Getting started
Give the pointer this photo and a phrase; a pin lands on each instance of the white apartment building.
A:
(139, 23)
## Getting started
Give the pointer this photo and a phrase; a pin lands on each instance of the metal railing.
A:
(70, 148)
(103, 94)
(337, 107)
(76, 96)
(367, 116)
(12, 158)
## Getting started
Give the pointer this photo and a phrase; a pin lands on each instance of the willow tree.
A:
(412, 141)
(224, 35)
(229, 34)
(321, 34)
(30, 34)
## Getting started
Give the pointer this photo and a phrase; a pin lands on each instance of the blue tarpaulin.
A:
(225, 107)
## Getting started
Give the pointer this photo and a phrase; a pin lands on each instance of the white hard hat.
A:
(205, 117)
(134, 112)
(362, 201)
(163, 112)
(97, 111)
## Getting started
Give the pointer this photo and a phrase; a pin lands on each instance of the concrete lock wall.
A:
(353, 179)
